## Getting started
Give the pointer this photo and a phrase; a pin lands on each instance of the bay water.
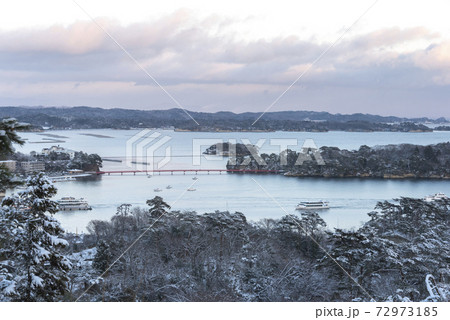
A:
(257, 196)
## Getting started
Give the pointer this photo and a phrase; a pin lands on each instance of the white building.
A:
(58, 149)
(9, 164)
(33, 166)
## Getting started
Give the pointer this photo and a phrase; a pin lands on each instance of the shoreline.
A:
(363, 177)
(359, 177)
(42, 131)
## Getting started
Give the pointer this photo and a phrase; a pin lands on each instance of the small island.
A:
(230, 149)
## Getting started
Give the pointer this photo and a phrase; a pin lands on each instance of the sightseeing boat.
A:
(312, 205)
(72, 204)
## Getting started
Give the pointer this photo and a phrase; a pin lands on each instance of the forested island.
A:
(391, 161)
(97, 118)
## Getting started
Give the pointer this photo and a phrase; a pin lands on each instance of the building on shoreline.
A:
(59, 150)
(9, 164)
(33, 166)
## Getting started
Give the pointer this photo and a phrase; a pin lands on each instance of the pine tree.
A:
(8, 137)
(103, 258)
(158, 207)
(420, 232)
(33, 244)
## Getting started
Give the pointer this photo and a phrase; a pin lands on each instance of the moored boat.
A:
(157, 190)
(62, 179)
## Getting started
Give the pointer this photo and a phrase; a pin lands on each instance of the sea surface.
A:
(257, 196)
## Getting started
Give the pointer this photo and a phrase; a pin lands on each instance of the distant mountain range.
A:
(89, 118)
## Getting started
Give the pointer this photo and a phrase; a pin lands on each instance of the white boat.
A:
(157, 190)
(191, 189)
(313, 205)
(436, 196)
(194, 178)
(169, 187)
(62, 179)
(72, 204)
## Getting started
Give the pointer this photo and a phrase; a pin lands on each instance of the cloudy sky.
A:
(390, 58)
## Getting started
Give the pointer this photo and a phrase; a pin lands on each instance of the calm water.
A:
(350, 199)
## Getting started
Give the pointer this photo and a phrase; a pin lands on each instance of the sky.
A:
(348, 56)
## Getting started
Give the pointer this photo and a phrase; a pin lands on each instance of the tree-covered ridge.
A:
(220, 256)
(392, 161)
(95, 118)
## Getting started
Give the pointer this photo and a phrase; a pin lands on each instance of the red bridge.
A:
(171, 171)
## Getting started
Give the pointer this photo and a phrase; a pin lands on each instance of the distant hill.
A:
(88, 117)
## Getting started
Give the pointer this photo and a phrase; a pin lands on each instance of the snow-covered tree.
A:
(37, 270)
(103, 257)
(353, 256)
(420, 233)
(8, 137)
(394, 251)
(157, 207)
(311, 222)
(123, 222)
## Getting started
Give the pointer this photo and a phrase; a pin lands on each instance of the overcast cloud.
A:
(397, 71)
